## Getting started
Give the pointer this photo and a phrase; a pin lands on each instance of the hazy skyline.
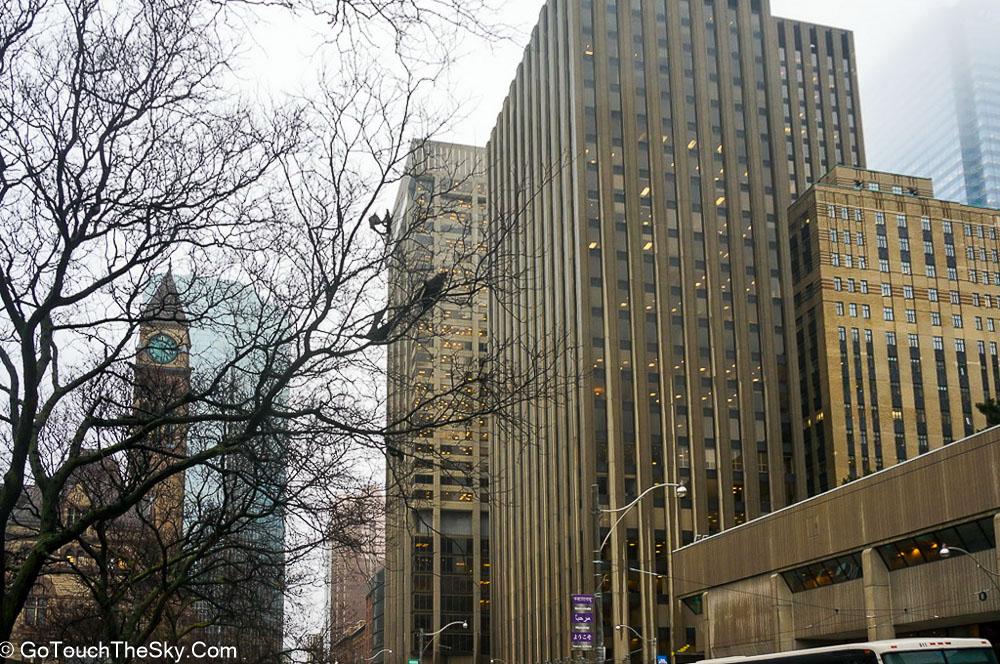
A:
(287, 50)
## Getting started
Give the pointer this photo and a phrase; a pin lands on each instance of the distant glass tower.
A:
(935, 109)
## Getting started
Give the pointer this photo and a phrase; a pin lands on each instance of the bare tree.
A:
(194, 309)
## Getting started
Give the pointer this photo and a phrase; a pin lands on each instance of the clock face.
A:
(162, 349)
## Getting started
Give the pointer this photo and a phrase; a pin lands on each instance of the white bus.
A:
(934, 650)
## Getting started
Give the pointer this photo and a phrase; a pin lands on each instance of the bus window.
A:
(949, 656)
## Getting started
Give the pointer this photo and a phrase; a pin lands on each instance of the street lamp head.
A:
(945, 551)
(682, 491)
(465, 625)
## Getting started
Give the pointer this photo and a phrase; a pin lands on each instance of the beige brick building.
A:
(897, 301)
(437, 568)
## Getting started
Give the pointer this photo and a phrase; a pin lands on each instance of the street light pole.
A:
(680, 491)
(651, 641)
(423, 635)
(598, 576)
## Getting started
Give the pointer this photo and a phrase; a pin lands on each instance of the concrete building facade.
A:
(437, 568)
(860, 562)
(648, 149)
(897, 297)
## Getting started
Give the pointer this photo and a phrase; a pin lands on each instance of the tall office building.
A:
(437, 568)
(933, 108)
(897, 298)
(651, 150)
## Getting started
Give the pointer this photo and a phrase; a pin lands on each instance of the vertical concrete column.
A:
(784, 617)
(878, 596)
(996, 548)
(709, 612)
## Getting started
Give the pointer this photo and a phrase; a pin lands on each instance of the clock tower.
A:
(162, 379)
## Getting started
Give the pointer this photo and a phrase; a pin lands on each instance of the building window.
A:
(913, 340)
(835, 259)
(825, 573)
(864, 286)
(887, 313)
(973, 537)
(886, 290)
(834, 235)
(837, 284)
(925, 223)
(901, 220)
(866, 311)
(879, 218)
(908, 292)
(955, 297)
(905, 267)
(839, 308)
(853, 309)
(956, 320)
(883, 265)
(911, 316)
(930, 271)
(938, 343)
(932, 294)
(936, 318)
(34, 611)
(952, 274)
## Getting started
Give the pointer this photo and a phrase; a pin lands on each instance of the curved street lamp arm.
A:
(372, 658)
(464, 623)
(624, 510)
(661, 485)
(629, 628)
(993, 576)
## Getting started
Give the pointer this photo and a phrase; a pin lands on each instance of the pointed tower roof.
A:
(165, 305)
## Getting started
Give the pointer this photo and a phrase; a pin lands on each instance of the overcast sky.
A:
(484, 71)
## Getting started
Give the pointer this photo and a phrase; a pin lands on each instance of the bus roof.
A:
(934, 642)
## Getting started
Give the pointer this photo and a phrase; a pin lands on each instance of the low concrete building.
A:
(860, 562)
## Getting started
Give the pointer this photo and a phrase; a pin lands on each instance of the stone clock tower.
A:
(162, 378)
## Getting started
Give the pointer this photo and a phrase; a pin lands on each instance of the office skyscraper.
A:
(897, 298)
(437, 567)
(651, 150)
(933, 109)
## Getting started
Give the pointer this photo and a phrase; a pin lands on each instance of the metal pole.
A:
(420, 653)
(598, 577)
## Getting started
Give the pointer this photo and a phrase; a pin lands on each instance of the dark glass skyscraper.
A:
(935, 107)
(651, 149)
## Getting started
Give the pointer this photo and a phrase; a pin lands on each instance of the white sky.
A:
(287, 51)
(283, 56)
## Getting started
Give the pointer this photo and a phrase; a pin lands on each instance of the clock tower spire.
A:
(162, 378)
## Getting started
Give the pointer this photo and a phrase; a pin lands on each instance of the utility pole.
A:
(598, 578)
